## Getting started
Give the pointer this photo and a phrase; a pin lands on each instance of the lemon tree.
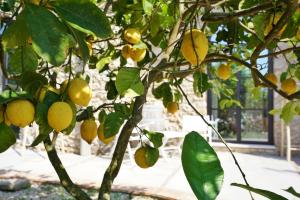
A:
(140, 47)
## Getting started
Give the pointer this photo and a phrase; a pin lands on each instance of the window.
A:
(250, 123)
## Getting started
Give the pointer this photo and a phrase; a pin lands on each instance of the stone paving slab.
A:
(165, 179)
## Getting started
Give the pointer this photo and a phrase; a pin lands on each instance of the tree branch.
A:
(292, 5)
(116, 162)
(226, 17)
(211, 57)
(64, 178)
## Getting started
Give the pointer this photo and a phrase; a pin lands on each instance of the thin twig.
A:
(219, 135)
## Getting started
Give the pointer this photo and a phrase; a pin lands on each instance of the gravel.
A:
(56, 192)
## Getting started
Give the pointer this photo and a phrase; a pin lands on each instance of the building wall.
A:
(280, 65)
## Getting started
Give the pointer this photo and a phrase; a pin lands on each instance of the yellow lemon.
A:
(132, 35)
(224, 72)
(194, 44)
(289, 86)
(272, 22)
(272, 78)
(102, 137)
(41, 93)
(126, 50)
(88, 130)
(79, 92)
(172, 107)
(60, 116)
(20, 112)
(146, 156)
(137, 54)
(140, 157)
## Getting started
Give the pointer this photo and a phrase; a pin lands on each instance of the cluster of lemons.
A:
(288, 86)
(21, 112)
(133, 36)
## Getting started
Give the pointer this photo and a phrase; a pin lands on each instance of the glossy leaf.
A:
(16, 34)
(32, 81)
(51, 47)
(41, 119)
(164, 91)
(84, 16)
(201, 167)
(128, 82)
(268, 194)
(83, 48)
(22, 56)
(7, 137)
(112, 123)
(201, 83)
(155, 137)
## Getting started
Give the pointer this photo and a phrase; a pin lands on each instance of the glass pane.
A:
(227, 125)
(249, 100)
(254, 125)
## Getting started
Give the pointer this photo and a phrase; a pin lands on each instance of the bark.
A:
(64, 178)
(116, 162)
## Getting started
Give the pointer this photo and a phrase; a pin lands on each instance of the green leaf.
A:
(84, 51)
(22, 56)
(123, 109)
(111, 89)
(32, 81)
(128, 82)
(9, 95)
(152, 155)
(201, 83)
(101, 116)
(164, 91)
(112, 123)
(289, 111)
(248, 3)
(154, 25)
(155, 137)
(42, 120)
(148, 7)
(292, 191)
(265, 193)
(202, 167)
(16, 34)
(7, 137)
(274, 111)
(84, 16)
(259, 22)
(102, 62)
(50, 39)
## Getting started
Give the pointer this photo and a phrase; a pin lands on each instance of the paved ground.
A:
(166, 178)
